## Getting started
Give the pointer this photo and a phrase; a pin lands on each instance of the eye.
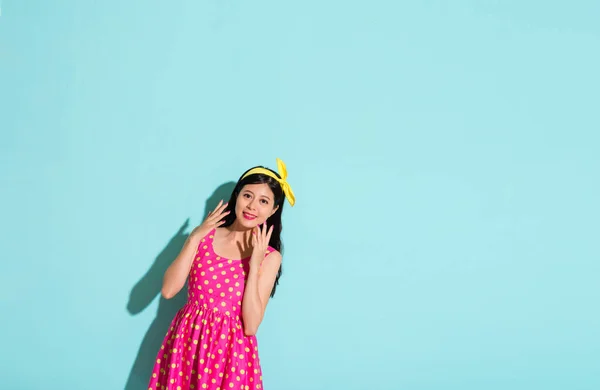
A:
(264, 201)
(246, 195)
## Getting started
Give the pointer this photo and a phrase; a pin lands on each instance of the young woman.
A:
(232, 264)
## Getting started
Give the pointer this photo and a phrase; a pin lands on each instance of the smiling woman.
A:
(232, 264)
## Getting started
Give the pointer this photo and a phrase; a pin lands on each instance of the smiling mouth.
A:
(249, 216)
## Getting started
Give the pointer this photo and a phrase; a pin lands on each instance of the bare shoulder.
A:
(273, 258)
(273, 253)
(200, 233)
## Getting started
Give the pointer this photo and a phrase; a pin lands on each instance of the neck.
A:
(237, 232)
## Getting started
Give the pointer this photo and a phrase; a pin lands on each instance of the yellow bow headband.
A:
(287, 190)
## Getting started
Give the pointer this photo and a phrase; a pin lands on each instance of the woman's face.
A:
(254, 205)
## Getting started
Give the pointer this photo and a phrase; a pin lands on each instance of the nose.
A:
(250, 205)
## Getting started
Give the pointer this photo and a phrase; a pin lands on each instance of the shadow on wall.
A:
(149, 286)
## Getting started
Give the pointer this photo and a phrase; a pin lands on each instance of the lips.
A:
(249, 216)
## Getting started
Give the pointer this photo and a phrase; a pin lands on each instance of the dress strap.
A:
(211, 235)
(207, 239)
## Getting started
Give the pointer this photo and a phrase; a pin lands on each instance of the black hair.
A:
(274, 220)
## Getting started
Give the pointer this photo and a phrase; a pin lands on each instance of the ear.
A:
(274, 211)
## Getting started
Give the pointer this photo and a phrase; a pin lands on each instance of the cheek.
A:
(266, 211)
(239, 208)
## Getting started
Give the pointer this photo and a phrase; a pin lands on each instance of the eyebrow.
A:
(264, 196)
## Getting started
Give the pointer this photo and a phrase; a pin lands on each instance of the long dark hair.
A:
(274, 220)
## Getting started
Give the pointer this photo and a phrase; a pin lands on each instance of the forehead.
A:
(259, 189)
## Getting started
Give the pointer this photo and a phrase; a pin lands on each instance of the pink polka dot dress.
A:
(205, 347)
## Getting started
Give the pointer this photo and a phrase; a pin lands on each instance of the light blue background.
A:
(445, 158)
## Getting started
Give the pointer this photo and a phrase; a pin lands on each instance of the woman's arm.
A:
(261, 278)
(177, 273)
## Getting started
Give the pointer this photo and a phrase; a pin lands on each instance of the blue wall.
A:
(445, 158)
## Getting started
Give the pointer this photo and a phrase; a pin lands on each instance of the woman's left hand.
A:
(260, 243)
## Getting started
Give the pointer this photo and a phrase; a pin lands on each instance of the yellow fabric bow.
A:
(285, 186)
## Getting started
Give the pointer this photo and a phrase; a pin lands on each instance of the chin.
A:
(248, 223)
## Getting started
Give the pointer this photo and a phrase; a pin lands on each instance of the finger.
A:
(219, 209)
(222, 215)
(210, 217)
(218, 206)
(259, 235)
(254, 238)
(264, 235)
(212, 212)
(270, 234)
(218, 213)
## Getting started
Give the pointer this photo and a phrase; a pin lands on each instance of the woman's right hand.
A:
(213, 220)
